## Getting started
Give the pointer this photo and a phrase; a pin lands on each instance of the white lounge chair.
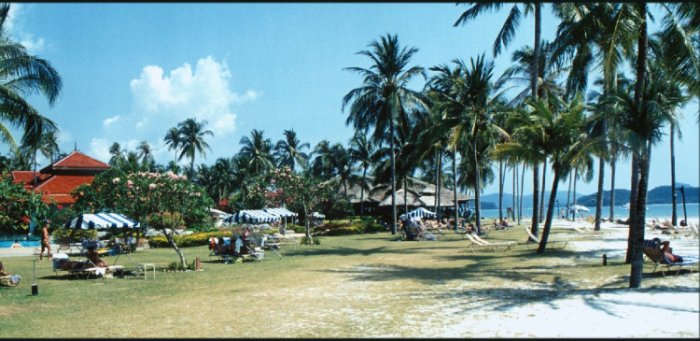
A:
(553, 243)
(480, 244)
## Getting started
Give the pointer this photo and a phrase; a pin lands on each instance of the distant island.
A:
(658, 195)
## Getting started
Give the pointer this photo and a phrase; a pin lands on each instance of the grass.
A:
(348, 286)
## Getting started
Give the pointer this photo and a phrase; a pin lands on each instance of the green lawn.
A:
(348, 286)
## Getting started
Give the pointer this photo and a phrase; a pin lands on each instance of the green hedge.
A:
(194, 239)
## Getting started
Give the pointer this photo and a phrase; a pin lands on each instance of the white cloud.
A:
(14, 28)
(99, 149)
(109, 121)
(161, 99)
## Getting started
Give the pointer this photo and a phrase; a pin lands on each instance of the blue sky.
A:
(131, 70)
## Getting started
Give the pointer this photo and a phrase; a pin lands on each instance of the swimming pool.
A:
(24, 243)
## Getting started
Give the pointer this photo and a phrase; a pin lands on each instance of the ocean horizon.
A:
(660, 211)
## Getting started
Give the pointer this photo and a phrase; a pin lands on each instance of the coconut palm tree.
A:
(146, 154)
(289, 152)
(191, 139)
(48, 145)
(322, 164)
(172, 140)
(384, 96)
(258, 152)
(502, 40)
(24, 74)
(361, 151)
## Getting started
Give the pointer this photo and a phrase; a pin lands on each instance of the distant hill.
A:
(658, 195)
(492, 199)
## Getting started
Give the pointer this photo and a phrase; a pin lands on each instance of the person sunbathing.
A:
(669, 257)
(94, 257)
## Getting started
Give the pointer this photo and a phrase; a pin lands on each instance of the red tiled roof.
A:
(63, 183)
(59, 199)
(27, 177)
(76, 160)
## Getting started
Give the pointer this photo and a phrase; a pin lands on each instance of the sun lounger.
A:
(653, 253)
(552, 243)
(84, 269)
(480, 244)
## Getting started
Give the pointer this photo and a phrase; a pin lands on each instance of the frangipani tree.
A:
(162, 201)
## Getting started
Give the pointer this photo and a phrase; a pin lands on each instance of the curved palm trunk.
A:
(550, 210)
(535, 198)
(393, 176)
(599, 194)
(674, 197)
(612, 188)
(544, 177)
(514, 170)
(437, 178)
(638, 222)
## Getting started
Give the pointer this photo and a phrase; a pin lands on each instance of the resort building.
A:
(377, 198)
(56, 181)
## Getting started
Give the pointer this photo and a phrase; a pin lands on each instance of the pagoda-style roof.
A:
(76, 163)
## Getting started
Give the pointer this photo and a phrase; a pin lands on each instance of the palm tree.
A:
(502, 40)
(21, 73)
(117, 154)
(384, 96)
(172, 140)
(361, 151)
(48, 145)
(191, 139)
(288, 151)
(590, 32)
(258, 152)
(146, 155)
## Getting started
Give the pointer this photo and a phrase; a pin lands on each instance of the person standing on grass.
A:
(45, 243)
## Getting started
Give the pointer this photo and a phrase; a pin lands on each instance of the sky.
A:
(131, 71)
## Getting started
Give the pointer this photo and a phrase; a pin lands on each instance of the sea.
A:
(657, 211)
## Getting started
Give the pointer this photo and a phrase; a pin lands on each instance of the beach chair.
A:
(653, 253)
(695, 233)
(86, 269)
(272, 244)
(553, 243)
(483, 245)
(254, 249)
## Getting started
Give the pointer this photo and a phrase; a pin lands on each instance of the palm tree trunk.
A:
(599, 194)
(439, 185)
(454, 184)
(544, 173)
(393, 176)
(435, 202)
(307, 223)
(535, 198)
(612, 188)
(362, 192)
(638, 222)
(550, 210)
(573, 213)
(501, 179)
(674, 197)
(634, 186)
(477, 185)
(522, 184)
(514, 170)
(568, 196)
(405, 194)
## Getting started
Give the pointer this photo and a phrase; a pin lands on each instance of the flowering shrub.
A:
(17, 205)
(163, 201)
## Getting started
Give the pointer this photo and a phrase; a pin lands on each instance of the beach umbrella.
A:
(102, 221)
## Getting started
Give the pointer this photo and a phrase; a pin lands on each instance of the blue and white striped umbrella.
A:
(102, 221)
(280, 212)
(419, 212)
(251, 216)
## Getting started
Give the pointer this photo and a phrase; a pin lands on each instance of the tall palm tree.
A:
(289, 152)
(602, 32)
(384, 96)
(502, 40)
(20, 74)
(48, 145)
(172, 140)
(146, 154)
(361, 151)
(322, 164)
(258, 152)
(116, 154)
(191, 139)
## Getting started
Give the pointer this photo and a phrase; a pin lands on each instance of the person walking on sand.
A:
(45, 243)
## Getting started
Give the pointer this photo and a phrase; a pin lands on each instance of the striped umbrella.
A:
(102, 221)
